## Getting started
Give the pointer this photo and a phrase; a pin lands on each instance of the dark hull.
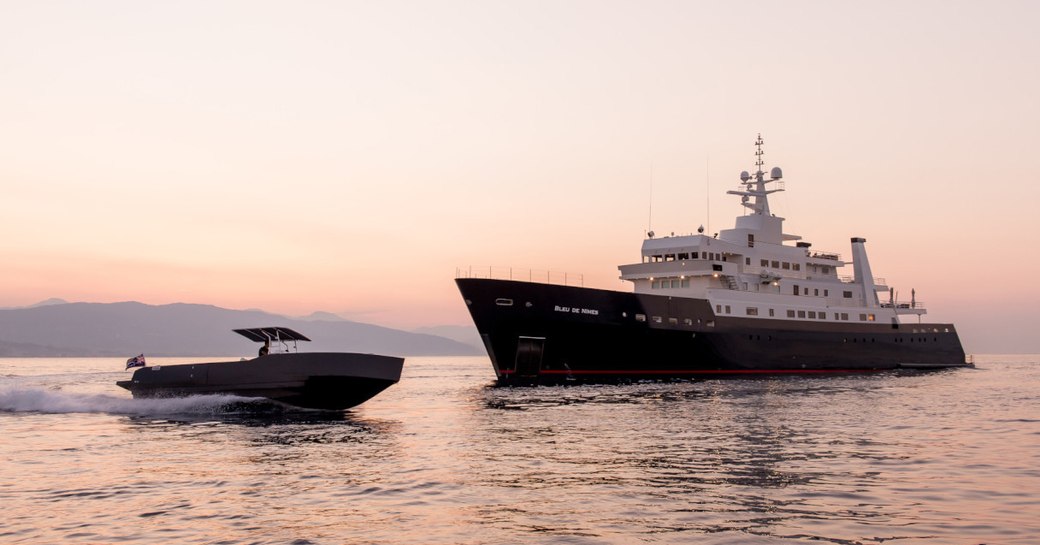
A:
(546, 333)
(332, 381)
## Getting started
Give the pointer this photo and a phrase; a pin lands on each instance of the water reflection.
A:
(702, 457)
(443, 458)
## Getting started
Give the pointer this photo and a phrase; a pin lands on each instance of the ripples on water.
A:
(943, 457)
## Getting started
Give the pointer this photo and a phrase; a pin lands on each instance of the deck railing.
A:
(902, 305)
(878, 281)
(523, 275)
(831, 256)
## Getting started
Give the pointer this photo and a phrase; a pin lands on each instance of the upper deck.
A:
(755, 262)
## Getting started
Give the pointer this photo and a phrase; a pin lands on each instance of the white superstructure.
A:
(749, 271)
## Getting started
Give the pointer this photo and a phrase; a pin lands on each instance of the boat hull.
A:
(314, 380)
(540, 333)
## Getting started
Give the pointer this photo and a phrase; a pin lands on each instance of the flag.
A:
(136, 361)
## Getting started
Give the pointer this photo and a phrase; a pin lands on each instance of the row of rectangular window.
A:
(753, 311)
(795, 290)
(814, 315)
(785, 265)
(804, 314)
(712, 256)
(671, 321)
(670, 283)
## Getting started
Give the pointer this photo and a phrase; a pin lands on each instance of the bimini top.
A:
(264, 334)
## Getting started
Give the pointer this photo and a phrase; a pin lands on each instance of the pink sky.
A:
(348, 156)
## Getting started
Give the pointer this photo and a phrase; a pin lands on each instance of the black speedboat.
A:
(742, 302)
(314, 380)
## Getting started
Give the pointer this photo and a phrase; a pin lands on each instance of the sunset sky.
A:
(348, 156)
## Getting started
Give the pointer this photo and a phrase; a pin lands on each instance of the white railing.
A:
(820, 254)
(878, 281)
(524, 275)
(902, 305)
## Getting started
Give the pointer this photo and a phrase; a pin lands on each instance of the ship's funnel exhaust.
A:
(862, 273)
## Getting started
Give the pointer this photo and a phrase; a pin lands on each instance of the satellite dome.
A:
(744, 176)
(700, 229)
(776, 173)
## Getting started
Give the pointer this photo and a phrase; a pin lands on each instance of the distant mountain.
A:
(465, 334)
(126, 329)
(49, 302)
(44, 303)
(321, 316)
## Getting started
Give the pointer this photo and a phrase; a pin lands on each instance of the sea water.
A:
(944, 457)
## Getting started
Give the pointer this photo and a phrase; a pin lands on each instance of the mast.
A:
(755, 186)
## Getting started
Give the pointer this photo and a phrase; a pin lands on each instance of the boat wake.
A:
(39, 400)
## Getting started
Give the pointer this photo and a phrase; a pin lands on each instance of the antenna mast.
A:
(650, 217)
(758, 155)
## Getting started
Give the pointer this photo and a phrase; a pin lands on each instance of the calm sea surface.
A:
(949, 457)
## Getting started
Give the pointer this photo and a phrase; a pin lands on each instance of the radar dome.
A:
(776, 173)
(744, 176)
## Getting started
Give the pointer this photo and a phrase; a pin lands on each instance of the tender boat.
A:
(313, 380)
(746, 301)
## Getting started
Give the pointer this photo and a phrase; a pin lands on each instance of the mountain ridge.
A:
(128, 328)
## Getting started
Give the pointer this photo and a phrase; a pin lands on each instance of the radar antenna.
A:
(755, 185)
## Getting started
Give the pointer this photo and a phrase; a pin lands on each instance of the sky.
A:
(349, 157)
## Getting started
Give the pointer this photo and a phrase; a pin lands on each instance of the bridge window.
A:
(752, 311)
(786, 266)
(812, 314)
(790, 314)
(776, 264)
(796, 266)
(764, 263)
(846, 294)
(772, 313)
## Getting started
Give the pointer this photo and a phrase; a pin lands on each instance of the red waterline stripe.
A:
(700, 371)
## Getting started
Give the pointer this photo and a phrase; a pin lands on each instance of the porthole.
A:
(503, 302)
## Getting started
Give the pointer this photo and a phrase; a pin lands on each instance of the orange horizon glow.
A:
(349, 157)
